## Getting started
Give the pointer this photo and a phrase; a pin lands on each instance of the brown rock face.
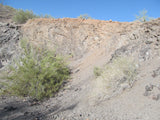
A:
(89, 42)
(77, 36)
(6, 13)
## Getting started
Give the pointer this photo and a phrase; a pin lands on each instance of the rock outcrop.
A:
(144, 42)
(6, 13)
(9, 36)
(77, 36)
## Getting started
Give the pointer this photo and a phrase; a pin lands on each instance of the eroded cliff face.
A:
(77, 36)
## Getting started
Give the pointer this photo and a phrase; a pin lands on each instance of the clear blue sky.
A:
(117, 10)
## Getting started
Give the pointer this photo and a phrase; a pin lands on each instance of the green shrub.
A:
(119, 68)
(84, 16)
(117, 75)
(97, 71)
(39, 73)
(114, 72)
(22, 16)
(143, 17)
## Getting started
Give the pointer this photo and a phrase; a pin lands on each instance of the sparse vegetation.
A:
(10, 8)
(38, 73)
(22, 16)
(45, 16)
(143, 17)
(97, 71)
(84, 16)
(118, 69)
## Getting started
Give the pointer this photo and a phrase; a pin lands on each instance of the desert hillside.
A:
(6, 13)
(127, 54)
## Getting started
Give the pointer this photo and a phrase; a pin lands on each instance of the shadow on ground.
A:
(22, 110)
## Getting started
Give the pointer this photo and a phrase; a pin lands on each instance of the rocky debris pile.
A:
(9, 36)
(152, 91)
(144, 42)
(156, 72)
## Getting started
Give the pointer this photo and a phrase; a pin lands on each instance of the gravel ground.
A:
(74, 103)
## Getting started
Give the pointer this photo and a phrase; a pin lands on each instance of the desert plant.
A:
(117, 75)
(121, 67)
(97, 71)
(143, 17)
(84, 16)
(21, 16)
(120, 70)
(38, 73)
(45, 16)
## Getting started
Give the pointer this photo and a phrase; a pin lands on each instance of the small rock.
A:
(26, 113)
(12, 26)
(77, 89)
(37, 118)
(34, 102)
(77, 70)
(110, 20)
(156, 97)
(149, 41)
(1, 64)
(154, 75)
(158, 86)
(124, 86)
(9, 108)
(149, 87)
(156, 72)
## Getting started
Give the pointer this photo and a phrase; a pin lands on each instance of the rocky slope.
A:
(9, 37)
(6, 13)
(91, 43)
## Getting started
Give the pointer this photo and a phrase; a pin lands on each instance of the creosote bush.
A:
(39, 73)
(22, 16)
